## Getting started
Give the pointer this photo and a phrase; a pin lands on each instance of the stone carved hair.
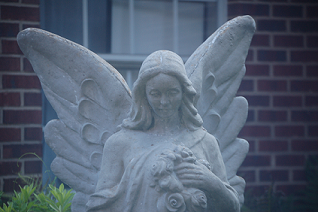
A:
(169, 63)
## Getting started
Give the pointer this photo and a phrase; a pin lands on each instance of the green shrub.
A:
(52, 200)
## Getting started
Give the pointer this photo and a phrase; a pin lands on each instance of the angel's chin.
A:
(164, 113)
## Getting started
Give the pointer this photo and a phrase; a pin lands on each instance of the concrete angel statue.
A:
(169, 145)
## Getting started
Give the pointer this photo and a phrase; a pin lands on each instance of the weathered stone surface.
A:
(171, 145)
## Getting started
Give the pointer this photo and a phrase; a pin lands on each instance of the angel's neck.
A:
(166, 126)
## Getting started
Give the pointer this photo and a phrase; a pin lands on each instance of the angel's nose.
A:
(164, 100)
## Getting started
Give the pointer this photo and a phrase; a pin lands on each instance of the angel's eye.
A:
(173, 92)
(154, 94)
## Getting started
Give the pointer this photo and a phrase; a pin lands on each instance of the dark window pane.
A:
(99, 26)
(63, 18)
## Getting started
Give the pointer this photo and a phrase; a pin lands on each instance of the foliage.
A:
(29, 199)
(35, 197)
(308, 201)
(272, 201)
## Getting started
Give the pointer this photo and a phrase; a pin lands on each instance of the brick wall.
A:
(20, 96)
(281, 85)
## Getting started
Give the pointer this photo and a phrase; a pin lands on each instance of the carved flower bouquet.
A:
(174, 196)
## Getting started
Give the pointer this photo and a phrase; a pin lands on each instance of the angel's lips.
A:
(165, 110)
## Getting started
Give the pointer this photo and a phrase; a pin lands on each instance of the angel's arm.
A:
(221, 196)
(112, 166)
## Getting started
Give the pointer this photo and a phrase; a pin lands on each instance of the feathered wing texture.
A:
(216, 69)
(90, 97)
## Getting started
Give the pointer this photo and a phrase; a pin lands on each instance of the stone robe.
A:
(140, 190)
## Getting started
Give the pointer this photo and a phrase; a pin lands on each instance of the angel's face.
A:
(164, 94)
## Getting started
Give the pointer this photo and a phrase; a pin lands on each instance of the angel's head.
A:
(167, 63)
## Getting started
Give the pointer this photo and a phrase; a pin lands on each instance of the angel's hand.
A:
(195, 175)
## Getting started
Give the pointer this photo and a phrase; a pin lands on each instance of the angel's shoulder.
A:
(209, 139)
(120, 139)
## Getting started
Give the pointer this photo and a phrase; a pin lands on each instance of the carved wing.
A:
(91, 99)
(216, 69)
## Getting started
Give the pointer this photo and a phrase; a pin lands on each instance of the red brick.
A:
(304, 86)
(289, 11)
(304, 56)
(250, 56)
(313, 130)
(299, 175)
(304, 145)
(257, 100)
(37, 2)
(304, 1)
(12, 184)
(16, 151)
(312, 41)
(10, 99)
(249, 176)
(288, 41)
(287, 101)
(312, 159)
(9, 64)
(32, 167)
(304, 116)
(27, 67)
(290, 189)
(272, 85)
(9, 168)
(24, 26)
(9, 30)
(252, 145)
(311, 101)
(10, 47)
(304, 26)
(248, 9)
(312, 71)
(246, 85)
(257, 70)
(10, 134)
(272, 116)
(22, 117)
(255, 131)
(288, 70)
(271, 55)
(312, 11)
(271, 25)
(32, 99)
(33, 134)
(257, 160)
(258, 190)
(273, 175)
(19, 81)
(11, 1)
(290, 160)
(288, 131)
(260, 40)
(20, 13)
(250, 116)
(272, 146)
(273, 1)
